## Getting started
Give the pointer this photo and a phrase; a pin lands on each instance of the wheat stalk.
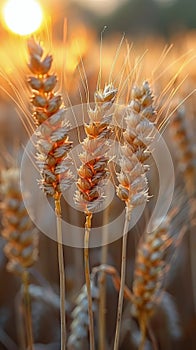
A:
(93, 173)
(21, 248)
(133, 187)
(111, 271)
(53, 146)
(102, 283)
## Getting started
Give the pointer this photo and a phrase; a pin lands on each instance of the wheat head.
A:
(21, 248)
(53, 142)
(94, 171)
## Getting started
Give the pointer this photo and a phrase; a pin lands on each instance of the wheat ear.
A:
(180, 133)
(93, 173)
(133, 187)
(53, 146)
(150, 270)
(80, 319)
(21, 248)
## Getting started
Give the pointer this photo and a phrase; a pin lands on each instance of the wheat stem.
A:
(87, 278)
(27, 306)
(122, 280)
(102, 303)
(102, 283)
(143, 333)
(61, 273)
(152, 337)
(102, 288)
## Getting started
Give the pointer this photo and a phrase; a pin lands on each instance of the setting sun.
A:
(22, 16)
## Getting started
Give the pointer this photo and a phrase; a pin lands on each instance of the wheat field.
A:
(97, 186)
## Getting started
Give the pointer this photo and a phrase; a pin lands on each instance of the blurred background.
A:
(139, 17)
(72, 30)
(134, 17)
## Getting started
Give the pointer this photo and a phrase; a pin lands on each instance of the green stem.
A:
(87, 277)
(122, 279)
(61, 273)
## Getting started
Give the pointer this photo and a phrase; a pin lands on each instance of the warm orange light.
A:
(22, 16)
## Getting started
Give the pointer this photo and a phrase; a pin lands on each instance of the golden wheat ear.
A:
(140, 117)
(180, 131)
(155, 259)
(21, 248)
(185, 153)
(93, 173)
(94, 168)
(150, 270)
(53, 145)
(53, 142)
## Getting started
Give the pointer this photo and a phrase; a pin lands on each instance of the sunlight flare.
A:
(22, 17)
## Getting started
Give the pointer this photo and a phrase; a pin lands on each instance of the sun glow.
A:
(22, 16)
